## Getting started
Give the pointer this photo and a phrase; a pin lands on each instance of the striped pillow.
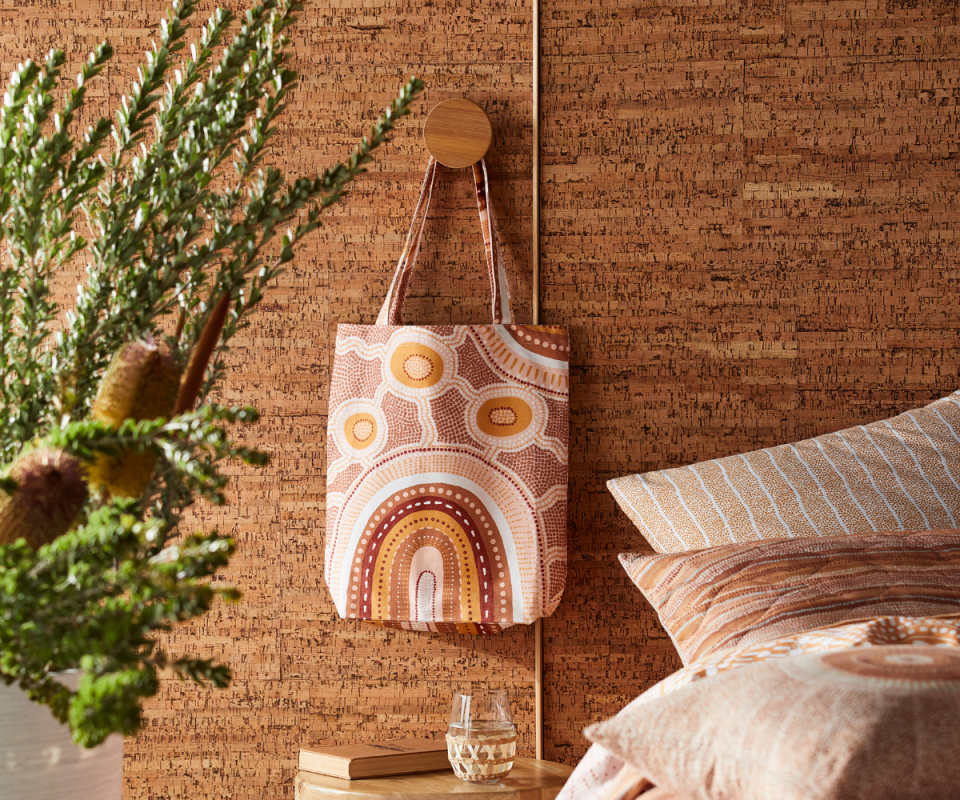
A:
(898, 474)
(740, 594)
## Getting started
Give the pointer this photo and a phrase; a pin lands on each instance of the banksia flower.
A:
(51, 490)
(141, 383)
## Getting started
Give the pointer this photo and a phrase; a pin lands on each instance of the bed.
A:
(813, 593)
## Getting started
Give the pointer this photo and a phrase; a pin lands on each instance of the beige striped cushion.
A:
(898, 474)
(734, 595)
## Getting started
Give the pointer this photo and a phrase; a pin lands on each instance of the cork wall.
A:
(750, 225)
(747, 221)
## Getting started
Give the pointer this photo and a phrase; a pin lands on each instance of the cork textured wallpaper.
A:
(748, 221)
(749, 224)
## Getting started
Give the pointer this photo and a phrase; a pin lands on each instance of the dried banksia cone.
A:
(51, 490)
(141, 383)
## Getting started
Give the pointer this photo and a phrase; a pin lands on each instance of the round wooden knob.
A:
(457, 133)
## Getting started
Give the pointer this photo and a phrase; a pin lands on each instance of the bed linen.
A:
(893, 474)
(866, 723)
(603, 776)
(739, 594)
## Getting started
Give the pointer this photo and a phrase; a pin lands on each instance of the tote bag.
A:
(447, 460)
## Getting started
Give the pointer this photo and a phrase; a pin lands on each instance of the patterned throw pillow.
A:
(879, 722)
(898, 474)
(724, 597)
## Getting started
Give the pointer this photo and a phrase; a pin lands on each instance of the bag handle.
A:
(392, 311)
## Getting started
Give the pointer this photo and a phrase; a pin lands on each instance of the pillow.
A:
(878, 722)
(739, 594)
(897, 474)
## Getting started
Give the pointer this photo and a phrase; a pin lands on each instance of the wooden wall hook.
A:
(457, 133)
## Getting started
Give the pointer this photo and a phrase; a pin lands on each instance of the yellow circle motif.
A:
(360, 430)
(416, 365)
(504, 416)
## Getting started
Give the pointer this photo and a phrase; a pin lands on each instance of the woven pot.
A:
(39, 761)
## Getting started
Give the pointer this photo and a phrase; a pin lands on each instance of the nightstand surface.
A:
(528, 780)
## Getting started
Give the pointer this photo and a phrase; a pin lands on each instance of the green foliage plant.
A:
(180, 225)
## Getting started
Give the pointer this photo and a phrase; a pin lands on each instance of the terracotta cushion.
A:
(724, 597)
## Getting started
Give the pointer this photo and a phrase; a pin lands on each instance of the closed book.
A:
(376, 759)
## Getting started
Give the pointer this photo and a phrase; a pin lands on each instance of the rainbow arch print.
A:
(447, 475)
(473, 552)
(432, 551)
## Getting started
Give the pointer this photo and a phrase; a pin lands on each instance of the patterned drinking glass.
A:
(481, 740)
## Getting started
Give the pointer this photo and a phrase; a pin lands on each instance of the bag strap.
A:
(392, 311)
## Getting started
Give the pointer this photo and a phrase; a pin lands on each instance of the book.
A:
(376, 759)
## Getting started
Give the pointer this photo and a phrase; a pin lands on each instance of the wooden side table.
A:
(528, 780)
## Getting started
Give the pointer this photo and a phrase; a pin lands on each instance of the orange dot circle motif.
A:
(416, 365)
(360, 430)
(363, 429)
(891, 663)
(504, 416)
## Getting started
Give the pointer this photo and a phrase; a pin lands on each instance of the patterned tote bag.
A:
(447, 460)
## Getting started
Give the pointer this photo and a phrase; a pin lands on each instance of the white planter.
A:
(39, 761)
